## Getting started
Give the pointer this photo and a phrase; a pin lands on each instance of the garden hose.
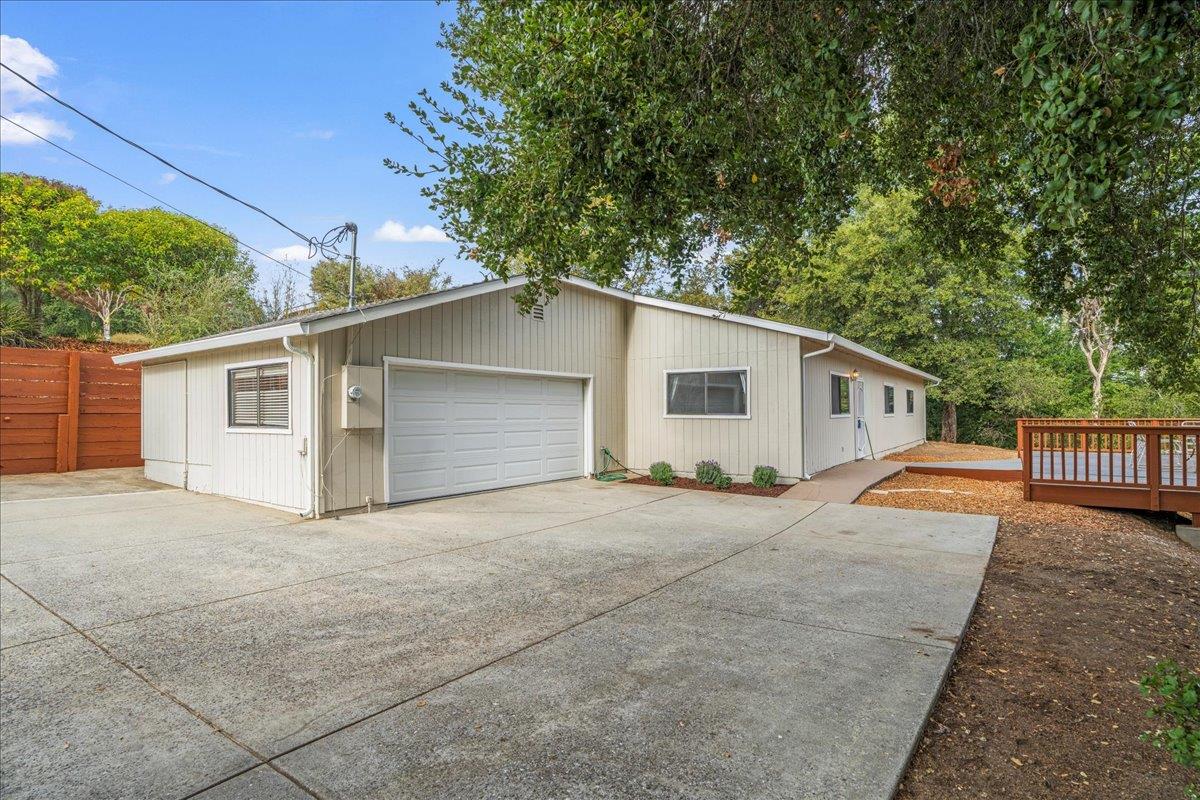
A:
(606, 472)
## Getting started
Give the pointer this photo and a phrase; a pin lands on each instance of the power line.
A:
(227, 234)
(309, 240)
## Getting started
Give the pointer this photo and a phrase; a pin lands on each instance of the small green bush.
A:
(662, 472)
(17, 328)
(1177, 691)
(722, 481)
(764, 477)
(707, 471)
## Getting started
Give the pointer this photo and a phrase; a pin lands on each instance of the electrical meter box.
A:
(362, 397)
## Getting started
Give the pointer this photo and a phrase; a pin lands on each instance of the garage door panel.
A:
(453, 432)
(420, 444)
(409, 410)
(470, 383)
(466, 411)
(417, 380)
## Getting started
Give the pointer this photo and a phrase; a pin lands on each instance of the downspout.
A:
(804, 401)
(310, 444)
(804, 398)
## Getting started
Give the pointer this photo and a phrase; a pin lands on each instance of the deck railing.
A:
(1091, 422)
(1113, 463)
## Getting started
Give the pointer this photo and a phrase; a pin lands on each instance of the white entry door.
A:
(452, 431)
(860, 419)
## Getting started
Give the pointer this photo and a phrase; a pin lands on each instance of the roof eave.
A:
(213, 343)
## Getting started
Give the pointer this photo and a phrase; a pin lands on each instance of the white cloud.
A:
(392, 231)
(167, 177)
(293, 252)
(16, 94)
(30, 62)
(36, 123)
(316, 133)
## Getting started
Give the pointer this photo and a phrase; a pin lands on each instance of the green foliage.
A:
(40, 221)
(764, 477)
(1177, 693)
(662, 472)
(372, 284)
(182, 305)
(707, 471)
(17, 328)
(722, 481)
(622, 139)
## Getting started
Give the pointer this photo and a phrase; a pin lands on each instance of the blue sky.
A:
(279, 103)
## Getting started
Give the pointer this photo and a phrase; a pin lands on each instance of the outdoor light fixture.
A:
(354, 393)
(853, 374)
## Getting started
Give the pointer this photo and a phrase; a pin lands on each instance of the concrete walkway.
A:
(845, 482)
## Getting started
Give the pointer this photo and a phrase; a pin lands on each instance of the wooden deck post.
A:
(73, 412)
(1153, 466)
(1020, 438)
(1026, 443)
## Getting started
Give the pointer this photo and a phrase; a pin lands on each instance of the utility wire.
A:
(156, 199)
(309, 240)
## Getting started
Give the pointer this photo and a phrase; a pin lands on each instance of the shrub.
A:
(707, 471)
(1178, 693)
(662, 473)
(764, 477)
(722, 481)
(17, 328)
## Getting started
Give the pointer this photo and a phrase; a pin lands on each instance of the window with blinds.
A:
(258, 396)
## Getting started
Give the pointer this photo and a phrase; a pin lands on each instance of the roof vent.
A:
(538, 312)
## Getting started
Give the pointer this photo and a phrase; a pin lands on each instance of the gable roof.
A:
(322, 321)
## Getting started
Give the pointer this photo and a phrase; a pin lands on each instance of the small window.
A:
(719, 393)
(909, 401)
(839, 395)
(258, 396)
(889, 400)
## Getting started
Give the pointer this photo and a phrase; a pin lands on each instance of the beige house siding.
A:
(259, 467)
(583, 332)
(662, 339)
(831, 439)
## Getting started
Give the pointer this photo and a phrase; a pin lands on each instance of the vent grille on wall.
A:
(538, 311)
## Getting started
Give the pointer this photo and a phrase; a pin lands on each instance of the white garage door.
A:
(451, 432)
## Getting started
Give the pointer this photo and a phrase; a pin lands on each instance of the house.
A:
(456, 391)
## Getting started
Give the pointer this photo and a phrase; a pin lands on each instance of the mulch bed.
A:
(1042, 700)
(951, 451)
(67, 343)
(737, 488)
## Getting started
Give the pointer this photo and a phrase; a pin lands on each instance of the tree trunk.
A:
(105, 315)
(949, 421)
(1097, 393)
(31, 301)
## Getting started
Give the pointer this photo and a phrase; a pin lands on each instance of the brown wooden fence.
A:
(62, 410)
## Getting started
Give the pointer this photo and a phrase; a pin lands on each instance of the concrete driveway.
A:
(573, 639)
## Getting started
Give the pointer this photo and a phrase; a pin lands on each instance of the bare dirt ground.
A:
(946, 451)
(1042, 701)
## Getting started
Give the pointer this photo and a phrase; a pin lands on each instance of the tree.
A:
(127, 253)
(181, 305)
(40, 220)
(1096, 339)
(874, 281)
(583, 136)
(279, 298)
(331, 282)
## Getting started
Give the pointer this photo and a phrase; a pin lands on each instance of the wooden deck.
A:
(1136, 464)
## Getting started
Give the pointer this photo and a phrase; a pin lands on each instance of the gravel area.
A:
(1042, 701)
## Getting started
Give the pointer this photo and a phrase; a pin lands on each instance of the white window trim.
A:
(913, 394)
(667, 373)
(892, 413)
(849, 395)
(225, 391)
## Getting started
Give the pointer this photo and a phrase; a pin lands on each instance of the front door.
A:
(860, 422)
